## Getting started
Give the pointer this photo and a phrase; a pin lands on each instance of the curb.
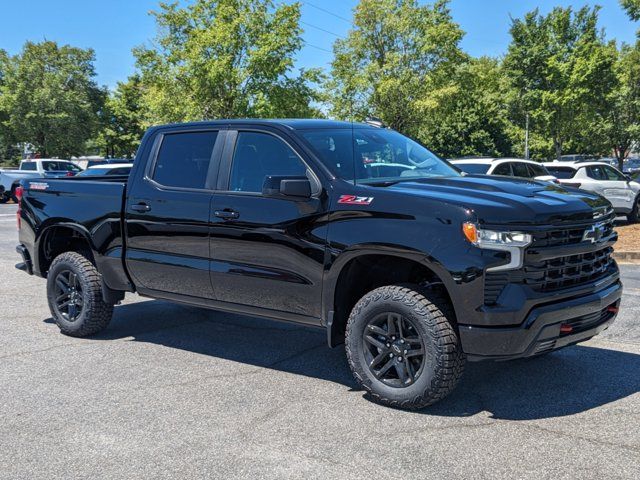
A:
(627, 257)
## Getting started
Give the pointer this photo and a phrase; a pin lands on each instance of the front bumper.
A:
(546, 328)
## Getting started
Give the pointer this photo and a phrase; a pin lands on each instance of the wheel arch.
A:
(345, 282)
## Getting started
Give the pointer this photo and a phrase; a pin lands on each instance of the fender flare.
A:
(332, 275)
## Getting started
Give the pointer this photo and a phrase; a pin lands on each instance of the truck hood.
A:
(496, 200)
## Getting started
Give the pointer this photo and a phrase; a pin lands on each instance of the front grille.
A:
(556, 273)
(566, 236)
(565, 272)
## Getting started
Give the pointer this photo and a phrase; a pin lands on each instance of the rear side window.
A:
(502, 169)
(184, 158)
(561, 172)
(28, 166)
(258, 155)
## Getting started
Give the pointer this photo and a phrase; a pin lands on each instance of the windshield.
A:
(369, 155)
(480, 168)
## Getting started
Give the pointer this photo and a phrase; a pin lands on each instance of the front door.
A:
(613, 186)
(167, 214)
(267, 253)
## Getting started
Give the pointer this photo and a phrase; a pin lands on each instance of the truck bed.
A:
(93, 205)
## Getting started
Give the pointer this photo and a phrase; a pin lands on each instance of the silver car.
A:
(601, 178)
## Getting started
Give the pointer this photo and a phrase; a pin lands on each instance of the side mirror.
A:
(628, 177)
(286, 187)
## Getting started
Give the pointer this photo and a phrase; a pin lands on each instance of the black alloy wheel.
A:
(393, 350)
(69, 299)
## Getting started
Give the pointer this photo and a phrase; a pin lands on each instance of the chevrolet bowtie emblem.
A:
(594, 233)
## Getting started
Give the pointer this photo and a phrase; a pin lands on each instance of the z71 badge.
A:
(354, 200)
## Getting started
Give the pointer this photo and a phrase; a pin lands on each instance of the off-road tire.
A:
(95, 314)
(433, 319)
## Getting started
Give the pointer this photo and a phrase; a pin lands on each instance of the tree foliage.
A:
(225, 59)
(561, 68)
(122, 120)
(398, 54)
(469, 116)
(632, 8)
(50, 98)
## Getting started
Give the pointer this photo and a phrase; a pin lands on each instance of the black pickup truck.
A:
(415, 266)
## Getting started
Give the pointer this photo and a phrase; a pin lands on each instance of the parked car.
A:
(415, 270)
(42, 167)
(107, 169)
(105, 161)
(508, 167)
(603, 179)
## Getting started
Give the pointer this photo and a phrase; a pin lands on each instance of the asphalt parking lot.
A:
(181, 392)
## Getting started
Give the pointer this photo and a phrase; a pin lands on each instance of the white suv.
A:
(601, 178)
(509, 167)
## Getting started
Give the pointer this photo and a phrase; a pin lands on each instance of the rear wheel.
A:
(74, 293)
(402, 347)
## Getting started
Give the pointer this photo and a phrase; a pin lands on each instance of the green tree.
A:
(470, 115)
(561, 69)
(620, 126)
(122, 124)
(225, 59)
(632, 8)
(394, 60)
(50, 98)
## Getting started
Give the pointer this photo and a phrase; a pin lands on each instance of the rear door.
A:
(167, 213)
(267, 253)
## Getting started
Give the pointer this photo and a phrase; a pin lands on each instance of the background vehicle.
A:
(603, 179)
(42, 167)
(508, 167)
(416, 268)
(107, 169)
(106, 161)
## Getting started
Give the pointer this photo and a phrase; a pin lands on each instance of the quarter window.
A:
(184, 158)
(258, 155)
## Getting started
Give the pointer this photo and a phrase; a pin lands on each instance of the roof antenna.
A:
(375, 122)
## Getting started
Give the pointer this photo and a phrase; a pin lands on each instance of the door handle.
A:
(226, 214)
(140, 207)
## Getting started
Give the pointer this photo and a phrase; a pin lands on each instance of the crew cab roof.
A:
(289, 123)
(490, 161)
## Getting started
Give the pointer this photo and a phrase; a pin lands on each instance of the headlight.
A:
(512, 242)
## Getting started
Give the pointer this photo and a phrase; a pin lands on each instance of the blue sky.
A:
(113, 27)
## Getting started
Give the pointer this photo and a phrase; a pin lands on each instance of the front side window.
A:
(536, 170)
(520, 169)
(502, 169)
(613, 174)
(369, 155)
(258, 155)
(184, 158)
(597, 172)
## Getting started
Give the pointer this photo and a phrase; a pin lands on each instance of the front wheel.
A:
(403, 348)
(74, 293)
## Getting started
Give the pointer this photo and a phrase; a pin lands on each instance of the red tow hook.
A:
(566, 328)
(612, 309)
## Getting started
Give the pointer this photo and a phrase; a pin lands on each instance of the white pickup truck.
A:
(41, 167)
